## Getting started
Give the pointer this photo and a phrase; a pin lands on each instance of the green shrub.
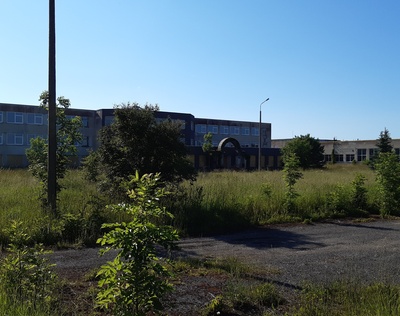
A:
(26, 275)
(135, 281)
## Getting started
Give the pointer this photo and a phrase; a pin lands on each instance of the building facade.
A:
(235, 143)
(346, 151)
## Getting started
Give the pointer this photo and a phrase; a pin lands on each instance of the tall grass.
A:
(227, 199)
(80, 207)
(216, 202)
(349, 298)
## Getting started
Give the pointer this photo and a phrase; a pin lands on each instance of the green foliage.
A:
(359, 197)
(290, 176)
(241, 298)
(384, 142)
(68, 135)
(26, 277)
(207, 145)
(135, 141)
(135, 281)
(349, 298)
(388, 178)
(309, 151)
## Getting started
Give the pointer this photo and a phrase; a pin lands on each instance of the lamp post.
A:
(259, 134)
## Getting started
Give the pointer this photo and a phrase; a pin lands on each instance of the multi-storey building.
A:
(235, 142)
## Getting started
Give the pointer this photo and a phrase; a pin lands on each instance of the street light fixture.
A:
(259, 134)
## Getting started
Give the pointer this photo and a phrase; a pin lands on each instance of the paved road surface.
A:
(321, 252)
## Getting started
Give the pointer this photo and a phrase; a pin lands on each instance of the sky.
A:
(330, 68)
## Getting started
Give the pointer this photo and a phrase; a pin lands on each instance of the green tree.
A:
(388, 177)
(384, 142)
(207, 147)
(68, 135)
(308, 150)
(135, 281)
(136, 142)
(291, 174)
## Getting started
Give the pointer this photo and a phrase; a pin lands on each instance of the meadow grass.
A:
(349, 298)
(217, 202)
(231, 199)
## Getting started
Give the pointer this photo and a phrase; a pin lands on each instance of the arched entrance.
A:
(231, 157)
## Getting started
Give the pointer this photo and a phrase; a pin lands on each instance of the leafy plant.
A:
(68, 135)
(134, 282)
(290, 176)
(388, 178)
(26, 275)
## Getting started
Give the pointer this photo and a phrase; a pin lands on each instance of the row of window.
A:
(215, 144)
(361, 155)
(31, 118)
(19, 139)
(226, 130)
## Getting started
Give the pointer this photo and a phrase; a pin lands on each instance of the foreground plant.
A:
(26, 276)
(134, 282)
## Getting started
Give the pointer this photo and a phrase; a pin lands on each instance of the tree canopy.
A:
(384, 142)
(308, 149)
(135, 141)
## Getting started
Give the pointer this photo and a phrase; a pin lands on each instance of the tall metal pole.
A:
(52, 136)
(259, 140)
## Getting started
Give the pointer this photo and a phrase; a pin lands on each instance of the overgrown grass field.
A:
(216, 202)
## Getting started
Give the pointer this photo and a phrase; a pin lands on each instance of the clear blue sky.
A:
(331, 68)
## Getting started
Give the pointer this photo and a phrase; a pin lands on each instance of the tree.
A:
(68, 135)
(388, 178)
(207, 147)
(307, 149)
(384, 142)
(290, 176)
(136, 142)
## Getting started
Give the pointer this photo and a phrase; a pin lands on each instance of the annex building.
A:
(235, 143)
(346, 151)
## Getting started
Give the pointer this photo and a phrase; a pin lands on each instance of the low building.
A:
(346, 151)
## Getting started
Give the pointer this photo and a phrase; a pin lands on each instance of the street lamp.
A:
(259, 134)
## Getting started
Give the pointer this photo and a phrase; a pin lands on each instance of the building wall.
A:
(20, 123)
(346, 151)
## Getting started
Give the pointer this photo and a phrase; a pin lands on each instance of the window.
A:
(108, 120)
(15, 139)
(339, 158)
(201, 128)
(15, 117)
(213, 129)
(1, 117)
(361, 154)
(1, 139)
(327, 158)
(349, 157)
(245, 131)
(223, 129)
(34, 118)
(255, 131)
(235, 130)
(373, 152)
(85, 141)
(85, 121)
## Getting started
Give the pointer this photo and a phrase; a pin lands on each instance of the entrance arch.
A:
(237, 159)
